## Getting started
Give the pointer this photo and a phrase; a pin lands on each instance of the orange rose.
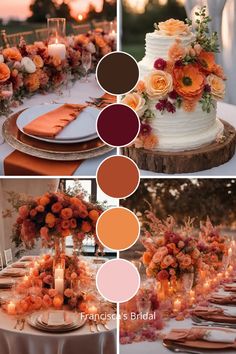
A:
(56, 207)
(176, 51)
(147, 257)
(50, 218)
(44, 201)
(12, 54)
(207, 61)
(56, 60)
(66, 213)
(65, 224)
(217, 86)
(150, 142)
(73, 223)
(86, 227)
(188, 81)
(218, 71)
(32, 82)
(158, 84)
(4, 72)
(94, 215)
(140, 87)
(173, 27)
(186, 262)
(38, 61)
(136, 102)
(167, 261)
(65, 233)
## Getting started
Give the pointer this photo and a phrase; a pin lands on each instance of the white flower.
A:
(28, 65)
(136, 102)
(91, 48)
(1, 58)
(158, 84)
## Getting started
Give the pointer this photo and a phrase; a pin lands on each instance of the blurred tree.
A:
(63, 10)
(108, 11)
(187, 197)
(41, 9)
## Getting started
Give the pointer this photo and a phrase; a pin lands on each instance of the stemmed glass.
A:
(86, 63)
(6, 94)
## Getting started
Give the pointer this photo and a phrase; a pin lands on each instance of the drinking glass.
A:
(6, 93)
(86, 63)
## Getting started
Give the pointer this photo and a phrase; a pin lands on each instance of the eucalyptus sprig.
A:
(209, 42)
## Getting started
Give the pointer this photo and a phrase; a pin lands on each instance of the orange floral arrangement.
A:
(169, 253)
(189, 77)
(55, 216)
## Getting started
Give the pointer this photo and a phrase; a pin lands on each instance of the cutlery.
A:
(17, 323)
(96, 323)
(178, 349)
(22, 324)
(91, 327)
(105, 325)
(199, 322)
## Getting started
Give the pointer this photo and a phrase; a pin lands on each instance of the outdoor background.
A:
(27, 15)
(139, 17)
(181, 198)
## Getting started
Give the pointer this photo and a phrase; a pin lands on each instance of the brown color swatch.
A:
(118, 228)
(118, 176)
(117, 73)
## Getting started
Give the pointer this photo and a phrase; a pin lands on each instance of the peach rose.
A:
(173, 27)
(217, 86)
(150, 141)
(38, 61)
(32, 82)
(4, 72)
(176, 51)
(167, 261)
(186, 261)
(12, 54)
(158, 84)
(136, 102)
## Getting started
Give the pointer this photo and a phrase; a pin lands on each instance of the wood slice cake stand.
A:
(204, 158)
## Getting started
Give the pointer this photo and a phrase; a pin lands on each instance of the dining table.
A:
(78, 92)
(29, 340)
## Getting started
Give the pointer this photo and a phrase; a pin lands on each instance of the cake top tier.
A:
(173, 27)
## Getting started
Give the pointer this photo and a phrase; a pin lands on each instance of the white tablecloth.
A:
(80, 92)
(228, 113)
(157, 347)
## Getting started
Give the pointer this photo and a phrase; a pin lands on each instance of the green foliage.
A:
(207, 102)
(209, 42)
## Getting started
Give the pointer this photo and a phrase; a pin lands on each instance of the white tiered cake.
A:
(181, 130)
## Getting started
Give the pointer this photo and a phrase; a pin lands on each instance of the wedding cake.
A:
(180, 83)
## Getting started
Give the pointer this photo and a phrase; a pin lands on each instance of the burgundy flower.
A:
(179, 63)
(207, 88)
(160, 64)
(170, 107)
(173, 95)
(161, 105)
(145, 129)
(163, 275)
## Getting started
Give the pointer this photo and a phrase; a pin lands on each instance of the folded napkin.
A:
(215, 314)
(230, 287)
(209, 335)
(56, 318)
(50, 124)
(223, 299)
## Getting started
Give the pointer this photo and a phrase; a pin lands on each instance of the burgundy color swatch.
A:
(118, 125)
(117, 73)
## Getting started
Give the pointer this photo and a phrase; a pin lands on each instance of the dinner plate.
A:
(35, 320)
(83, 128)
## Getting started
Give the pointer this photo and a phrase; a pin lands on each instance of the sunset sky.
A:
(20, 8)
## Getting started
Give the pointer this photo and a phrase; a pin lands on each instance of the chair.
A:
(14, 39)
(41, 34)
(1, 262)
(8, 256)
(81, 29)
(104, 25)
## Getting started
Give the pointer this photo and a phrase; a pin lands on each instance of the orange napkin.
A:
(223, 300)
(229, 287)
(50, 124)
(213, 314)
(20, 164)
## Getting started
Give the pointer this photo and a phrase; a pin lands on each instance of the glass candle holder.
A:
(56, 37)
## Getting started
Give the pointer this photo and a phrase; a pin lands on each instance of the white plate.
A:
(80, 129)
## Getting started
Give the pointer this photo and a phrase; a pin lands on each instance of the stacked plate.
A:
(20, 264)
(56, 321)
(13, 272)
(28, 258)
(5, 296)
(77, 141)
(6, 283)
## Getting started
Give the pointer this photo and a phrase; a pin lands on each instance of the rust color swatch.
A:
(117, 73)
(118, 228)
(118, 125)
(118, 176)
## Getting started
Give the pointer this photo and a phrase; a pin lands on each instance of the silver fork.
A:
(179, 349)
(199, 322)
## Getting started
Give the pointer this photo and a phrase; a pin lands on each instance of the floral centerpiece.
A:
(170, 253)
(31, 69)
(189, 76)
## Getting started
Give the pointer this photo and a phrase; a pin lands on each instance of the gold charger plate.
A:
(62, 152)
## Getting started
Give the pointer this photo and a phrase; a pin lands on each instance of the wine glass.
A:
(187, 281)
(6, 93)
(86, 63)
